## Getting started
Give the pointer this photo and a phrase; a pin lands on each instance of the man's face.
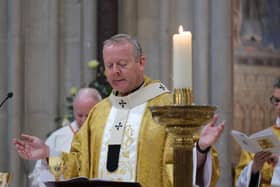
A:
(81, 109)
(123, 71)
(276, 100)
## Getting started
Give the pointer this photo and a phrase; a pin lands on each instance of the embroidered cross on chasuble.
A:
(118, 157)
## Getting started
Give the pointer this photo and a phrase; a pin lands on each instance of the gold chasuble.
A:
(267, 170)
(152, 152)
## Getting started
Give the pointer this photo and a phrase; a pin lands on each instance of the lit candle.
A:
(182, 59)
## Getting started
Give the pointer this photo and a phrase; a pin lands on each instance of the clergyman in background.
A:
(60, 140)
(259, 169)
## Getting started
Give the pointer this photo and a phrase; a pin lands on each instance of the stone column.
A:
(201, 52)
(128, 17)
(77, 45)
(41, 61)
(165, 41)
(4, 165)
(16, 84)
(89, 40)
(221, 88)
(71, 44)
(148, 35)
(41, 69)
(182, 13)
(153, 35)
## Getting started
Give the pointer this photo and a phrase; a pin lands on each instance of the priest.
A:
(119, 140)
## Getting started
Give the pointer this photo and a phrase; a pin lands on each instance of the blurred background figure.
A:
(60, 140)
(257, 169)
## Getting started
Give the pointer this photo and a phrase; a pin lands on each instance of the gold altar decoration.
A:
(182, 96)
(5, 179)
(56, 167)
(183, 120)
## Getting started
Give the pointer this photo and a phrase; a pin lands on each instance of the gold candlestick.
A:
(182, 96)
(183, 121)
(5, 179)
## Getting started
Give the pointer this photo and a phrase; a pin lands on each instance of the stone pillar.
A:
(221, 88)
(3, 85)
(89, 40)
(165, 41)
(77, 45)
(41, 61)
(182, 13)
(41, 69)
(16, 84)
(71, 45)
(201, 52)
(128, 17)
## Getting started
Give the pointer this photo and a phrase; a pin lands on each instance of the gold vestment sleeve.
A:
(215, 168)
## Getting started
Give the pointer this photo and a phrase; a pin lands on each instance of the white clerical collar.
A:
(74, 127)
(278, 122)
(138, 97)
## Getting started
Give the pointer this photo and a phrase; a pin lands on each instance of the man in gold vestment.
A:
(120, 140)
(259, 169)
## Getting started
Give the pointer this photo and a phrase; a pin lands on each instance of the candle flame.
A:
(181, 30)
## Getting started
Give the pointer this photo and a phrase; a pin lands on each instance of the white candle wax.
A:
(182, 59)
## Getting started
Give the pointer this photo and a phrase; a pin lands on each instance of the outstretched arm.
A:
(31, 147)
(208, 137)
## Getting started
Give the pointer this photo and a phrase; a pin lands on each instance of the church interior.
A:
(50, 47)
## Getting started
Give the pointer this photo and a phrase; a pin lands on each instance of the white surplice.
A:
(60, 140)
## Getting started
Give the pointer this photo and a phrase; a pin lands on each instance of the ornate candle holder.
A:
(5, 179)
(183, 121)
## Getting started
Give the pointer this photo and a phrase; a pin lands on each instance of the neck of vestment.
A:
(74, 127)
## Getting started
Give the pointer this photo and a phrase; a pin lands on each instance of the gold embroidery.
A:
(125, 168)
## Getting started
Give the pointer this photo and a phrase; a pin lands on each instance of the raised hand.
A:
(210, 133)
(31, 147)
(273, 160)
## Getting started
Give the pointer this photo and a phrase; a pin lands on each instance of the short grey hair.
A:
(120, 38)
(88, 92)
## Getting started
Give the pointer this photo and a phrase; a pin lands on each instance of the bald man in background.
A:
(60, 140)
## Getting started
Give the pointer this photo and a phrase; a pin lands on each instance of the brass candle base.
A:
(184, 122)
(182, 96)
(5, 179)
